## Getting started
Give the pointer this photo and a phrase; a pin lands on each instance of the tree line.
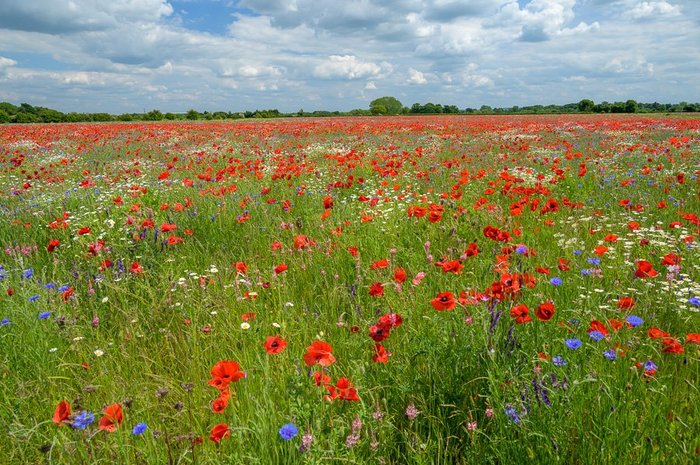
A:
(26, 113)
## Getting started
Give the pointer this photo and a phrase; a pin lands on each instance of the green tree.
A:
(154, 115)
(378, 109)
(4, 117)
(192, 114)
(23, 117)
(630, 106)
(391, 105)
(586, 105)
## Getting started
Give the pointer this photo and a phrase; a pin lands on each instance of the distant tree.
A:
(192, 115)
(586, 105)
(9, 108)
(4, 117)
(485, 109)
(154, 115)
(391, 105)
(125, 117)
(170, 116)
(378, 109)
(27, 108)
(101, 117)
(630, 106)
(23, 117)
(47, 115)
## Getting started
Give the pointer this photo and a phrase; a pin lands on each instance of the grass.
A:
(484, 389)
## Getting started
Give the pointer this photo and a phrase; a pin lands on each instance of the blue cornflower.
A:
(3, 275)
(649, 365)
(577, 252)
(44, 315)
(63, 288)
(512, 414)
(573, 343)
(288, 431)
(585, 272)
(556, 281)
(49, 286)
(610, 354)
(139, 429)
(596, 335)
(559, 361)
(694, 301)
(83, 420)
(28, 273)
(521, 249)
(5, 322)
(634, 320)
(594, 261)
(33, 298)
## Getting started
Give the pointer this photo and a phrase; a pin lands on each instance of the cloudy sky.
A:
(232, 55)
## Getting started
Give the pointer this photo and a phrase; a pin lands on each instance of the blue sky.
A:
(234, 55)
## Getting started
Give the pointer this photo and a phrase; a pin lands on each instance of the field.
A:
(430, 290)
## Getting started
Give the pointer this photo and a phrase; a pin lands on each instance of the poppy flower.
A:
(225, 372)
(354, 251)
(693, 337)
(597, 326)
(645, 270)
(545, 311)
(453, 266)
(319, 352)
(400, 275)
(241, 267)
(672, 346)
(520, 313)
(274, 345)
(380, 354)
(600, 250)
(671, 259)
(656, 333)
(444, 301)
(379, 332)
(626, 303)
(83, 231)
(112, 418)
(392, 320)
(346, 391)
(62, 413)
(220, 431)
(380, 264)
(220, 403)
(136, 268)
(53, 243)
(321, 379)
(376, 289)
(281, 268)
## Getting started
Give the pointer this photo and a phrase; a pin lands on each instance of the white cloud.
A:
(652, 9)
(416, 77)
(349, 67)
(6, 62)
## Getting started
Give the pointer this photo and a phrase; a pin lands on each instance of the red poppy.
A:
(220, 431)
(693, 337)
(444, 301)
(379, 264)
(321, 379)
(281, 268)
(274, 345)
(303, 242)
(380, 354)
(354, 251)
(645, 270)
(520, 313)
(83, 231)
(671, 259)
(379, 332)
(392, 320)
(112, 418)
(136, 268)
(221, 402)
(600, 250)
(672, 346)
(656, 333)
(225, 372)
(53, 243)
(564, 264)
(346, 391)
(376, 289)
(626, 303)
(62, 413)
(472, 250)
(319, 352)
(597, 326)
(453, 266)
(399, 275)
(610, 238)
(545, 311)
(241, 267)
(327, 202)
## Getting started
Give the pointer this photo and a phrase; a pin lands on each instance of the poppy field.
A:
(430, 290)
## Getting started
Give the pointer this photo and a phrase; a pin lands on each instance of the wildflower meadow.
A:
(408, 290)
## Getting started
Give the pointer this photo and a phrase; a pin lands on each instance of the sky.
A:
(122, 56)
